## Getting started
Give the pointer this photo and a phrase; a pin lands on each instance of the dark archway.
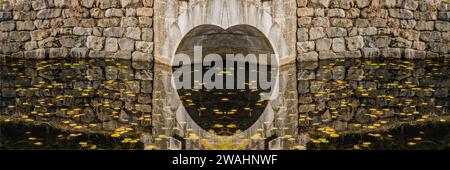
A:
(244, 39)
(225, 111)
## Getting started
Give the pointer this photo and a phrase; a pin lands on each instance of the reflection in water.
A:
(174, 125)
(341, 98)
(409, 137)
(226, 111)
(106, 97)
(353, 104)
(26, 136)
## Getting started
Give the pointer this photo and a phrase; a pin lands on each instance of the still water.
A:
(109, 104)
(225, 111)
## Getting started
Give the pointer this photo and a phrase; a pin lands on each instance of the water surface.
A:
(339, 104)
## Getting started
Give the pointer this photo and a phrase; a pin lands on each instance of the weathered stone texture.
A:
(77, 28)
(363, 28)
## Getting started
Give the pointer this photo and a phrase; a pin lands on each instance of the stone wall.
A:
(38, 29)
(276, 19)
(329, 29)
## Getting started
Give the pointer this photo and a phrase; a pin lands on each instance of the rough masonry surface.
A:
(38, 29)
(412, 29)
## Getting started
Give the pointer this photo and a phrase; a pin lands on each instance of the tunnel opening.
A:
(229, 80)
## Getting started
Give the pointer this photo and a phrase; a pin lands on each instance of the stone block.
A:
(309, 56)
(305, 12)
(316, 33)
(323, 44)
(95, 43)
(144, 12)
(391, 53)
(338, 45)
(111, 45)
(355, 43)
(58, 53)
(303, 47)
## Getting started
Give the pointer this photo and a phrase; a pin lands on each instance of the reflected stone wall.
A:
(93, 96)
(339, 97)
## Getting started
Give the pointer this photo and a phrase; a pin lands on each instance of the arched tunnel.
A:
(223, 110)
(239, 39)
